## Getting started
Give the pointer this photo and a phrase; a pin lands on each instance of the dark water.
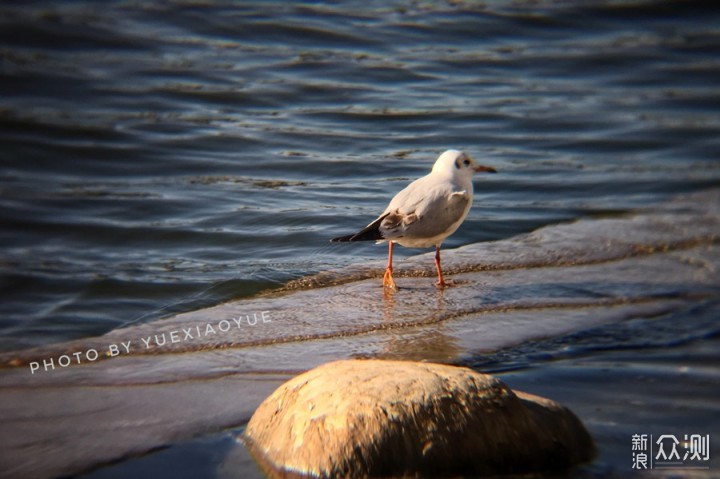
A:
(161, 157)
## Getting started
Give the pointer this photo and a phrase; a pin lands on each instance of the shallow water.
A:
(162, 157)
(629, 284)
(618, 379)
(163, 161)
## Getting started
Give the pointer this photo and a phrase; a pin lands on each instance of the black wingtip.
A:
(342, 239)
(359, 236)
(370, 233)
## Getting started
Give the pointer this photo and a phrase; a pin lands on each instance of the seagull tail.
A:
(370, 233)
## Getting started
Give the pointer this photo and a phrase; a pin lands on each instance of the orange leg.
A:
(388, 280)
(441, 281)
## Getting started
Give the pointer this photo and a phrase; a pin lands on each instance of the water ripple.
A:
(237, 138)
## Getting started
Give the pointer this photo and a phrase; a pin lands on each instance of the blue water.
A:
(160, 157)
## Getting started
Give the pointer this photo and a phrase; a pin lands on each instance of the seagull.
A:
(426, 212)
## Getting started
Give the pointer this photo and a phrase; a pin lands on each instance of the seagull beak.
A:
(485, 169)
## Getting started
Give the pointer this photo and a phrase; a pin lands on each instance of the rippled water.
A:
(162, 156)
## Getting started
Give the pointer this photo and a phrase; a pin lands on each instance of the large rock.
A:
(359, 418)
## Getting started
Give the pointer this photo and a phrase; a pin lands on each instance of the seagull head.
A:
(455, 162)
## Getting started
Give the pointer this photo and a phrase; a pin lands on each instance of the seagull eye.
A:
(466, 162)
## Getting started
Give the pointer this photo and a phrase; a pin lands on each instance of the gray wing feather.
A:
(418, 212)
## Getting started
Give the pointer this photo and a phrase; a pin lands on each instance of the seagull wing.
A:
(425, 209)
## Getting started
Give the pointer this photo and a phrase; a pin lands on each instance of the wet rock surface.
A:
(360, 418)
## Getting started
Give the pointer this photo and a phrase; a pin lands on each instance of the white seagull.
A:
(426, 212)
